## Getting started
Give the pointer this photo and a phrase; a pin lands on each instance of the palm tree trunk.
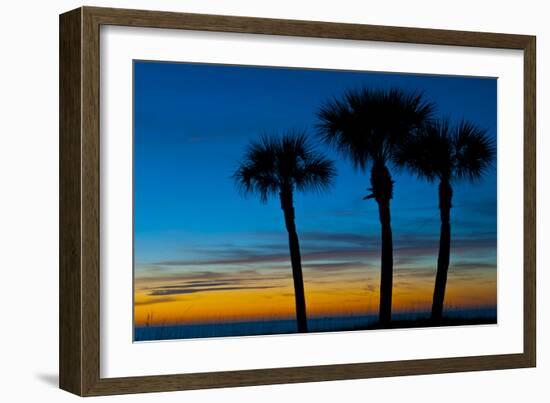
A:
(287, 206)
(382, 192)
(445, 204)
(386, 275)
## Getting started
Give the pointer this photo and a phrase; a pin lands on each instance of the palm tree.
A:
(282, 165)
(367, 127)
(447, 154)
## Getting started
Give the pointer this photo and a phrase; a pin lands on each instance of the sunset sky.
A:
(203, 253)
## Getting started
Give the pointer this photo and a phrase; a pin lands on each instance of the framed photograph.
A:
(249, 201)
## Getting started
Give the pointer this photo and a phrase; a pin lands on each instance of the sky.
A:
(203, 253)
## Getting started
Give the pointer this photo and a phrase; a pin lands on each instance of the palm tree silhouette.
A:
(367, 127)
(441, 153)
(284, 165)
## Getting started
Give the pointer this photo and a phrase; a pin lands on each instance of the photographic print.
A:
(274, 200)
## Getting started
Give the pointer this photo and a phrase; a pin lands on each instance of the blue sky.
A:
(192, 123)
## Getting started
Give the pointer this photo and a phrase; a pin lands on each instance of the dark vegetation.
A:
(377, 131)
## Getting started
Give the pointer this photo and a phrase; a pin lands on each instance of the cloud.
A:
(199, 284)
(415, 273)
(185, 290)
(246, 257)
(209, 278)
(340, 237)
(328, 267)
(471, 266)
(209, 281)
(153, 301)
(464, 271)
(324, 254)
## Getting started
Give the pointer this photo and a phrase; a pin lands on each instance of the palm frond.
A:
(317, 174)
(337, 127)
(276, 163)
(439, 151)
(428, 152)
(474, 151)
(256, 172)
(367, 125)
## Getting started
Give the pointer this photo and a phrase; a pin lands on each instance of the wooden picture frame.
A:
(79, 347)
